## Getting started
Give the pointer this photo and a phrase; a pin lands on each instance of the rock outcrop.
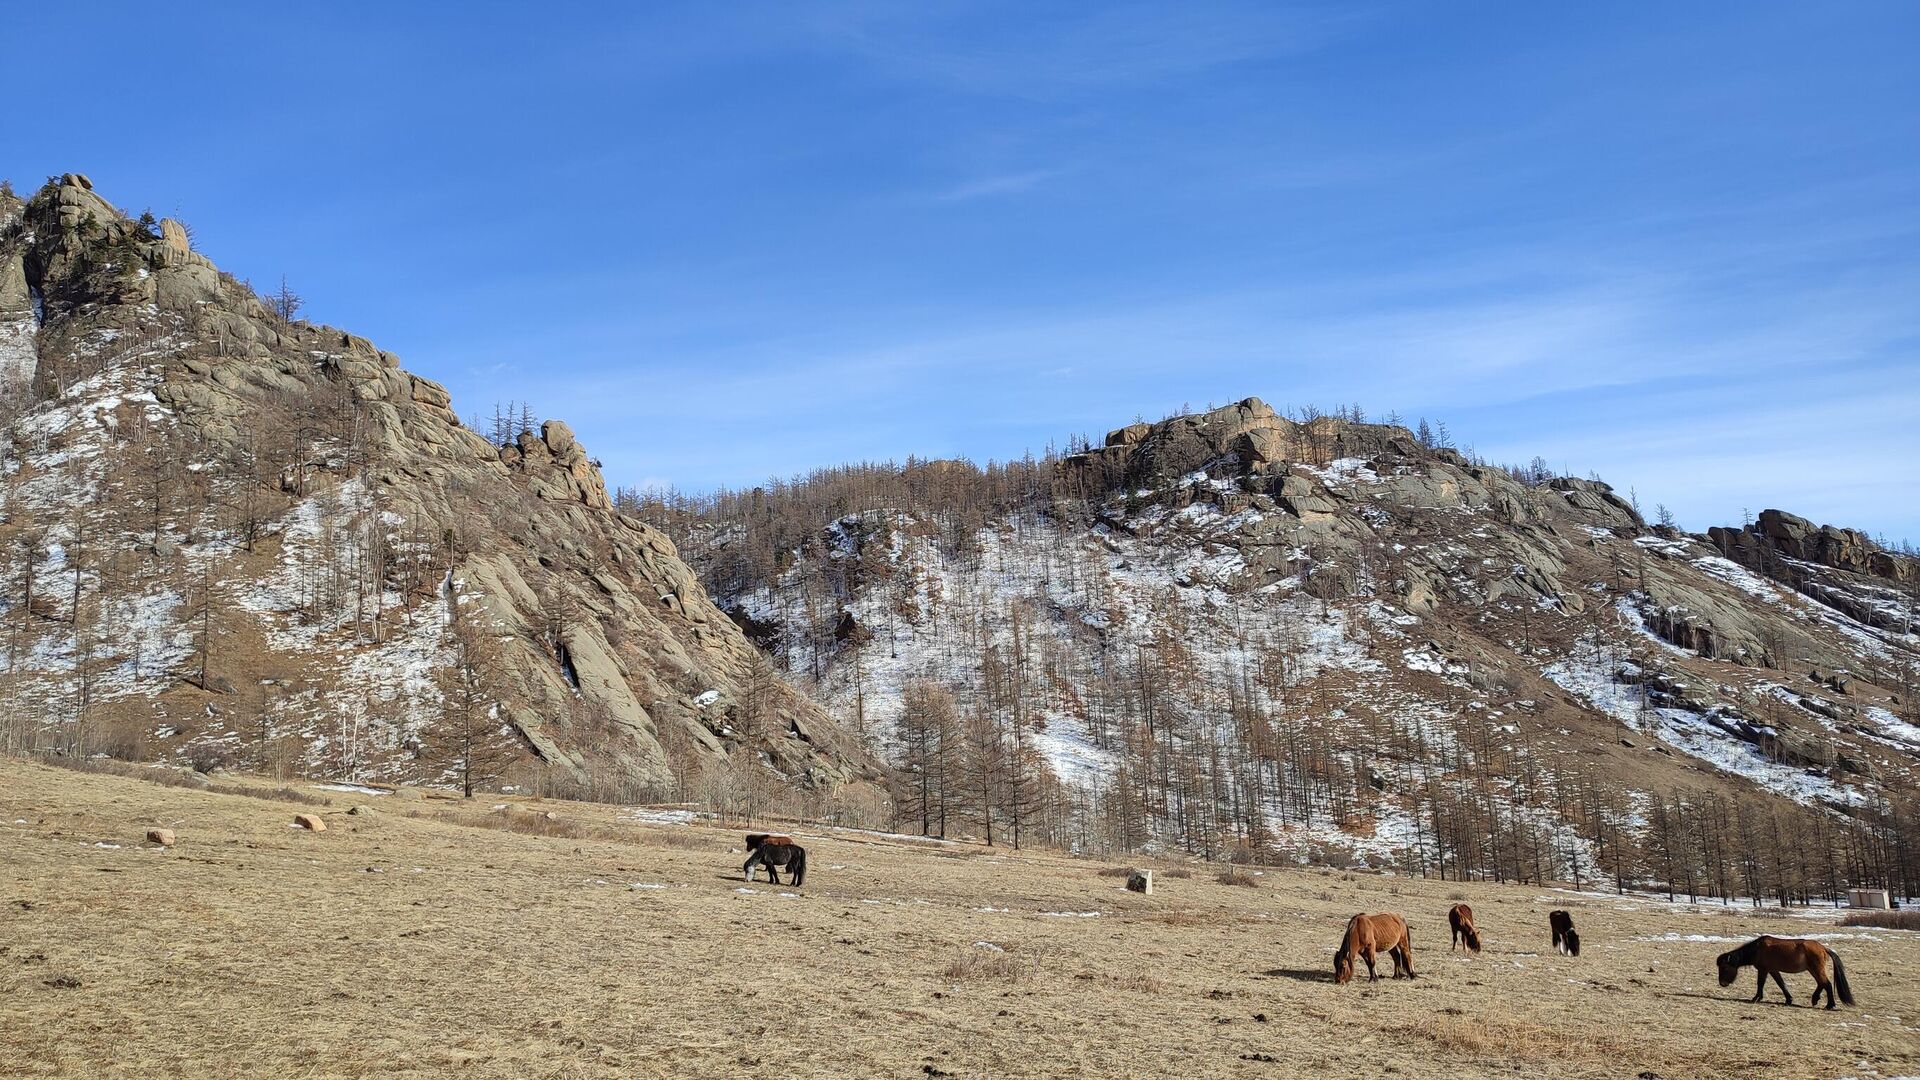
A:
(1842, 568)
(345, 526)
(19, 354)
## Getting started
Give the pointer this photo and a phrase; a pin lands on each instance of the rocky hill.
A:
(232, 535)
(1236, 632)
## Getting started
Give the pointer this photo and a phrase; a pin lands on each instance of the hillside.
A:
(405, 940)
(235, 538)
(1234, 633)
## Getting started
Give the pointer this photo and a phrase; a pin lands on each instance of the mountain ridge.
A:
(1253, 601)
(179, 447)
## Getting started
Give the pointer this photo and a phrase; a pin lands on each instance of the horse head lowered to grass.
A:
(774, 850)
(1776, 956)
(1369, 935)
(1464, 932)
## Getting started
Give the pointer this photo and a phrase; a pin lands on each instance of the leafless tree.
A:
(284, 302)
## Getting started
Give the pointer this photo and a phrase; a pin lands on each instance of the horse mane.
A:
(1348, 950)
(1743, 955)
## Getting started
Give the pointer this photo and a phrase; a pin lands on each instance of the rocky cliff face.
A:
(194, 484)
(1840, 568)
(1302, 624)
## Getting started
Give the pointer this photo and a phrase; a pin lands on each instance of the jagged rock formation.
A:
(230, 532)
(1840, 568)
(1306, 622)
(19, 321)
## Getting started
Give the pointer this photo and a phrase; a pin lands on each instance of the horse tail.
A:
(1840, 978)
(1573, 942)
(799, 865)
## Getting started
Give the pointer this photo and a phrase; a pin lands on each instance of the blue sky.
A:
(1675, 244)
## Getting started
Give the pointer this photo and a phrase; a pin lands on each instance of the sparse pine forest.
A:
(1094, 651)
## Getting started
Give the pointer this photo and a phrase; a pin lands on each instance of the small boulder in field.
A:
(360, 810)
(310, 822)
(163, 837)
(1141, 881)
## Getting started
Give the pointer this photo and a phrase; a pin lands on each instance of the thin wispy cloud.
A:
(988, 187)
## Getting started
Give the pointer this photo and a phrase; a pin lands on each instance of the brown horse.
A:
(1461, 919)
(1565, 939)
(1369, 935)
(773, 850)
(1777, 955)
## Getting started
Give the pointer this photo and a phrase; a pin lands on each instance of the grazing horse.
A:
(1565, 939)
(1368, 935)
(1775, 955)
(773, 850)
(1461, 919)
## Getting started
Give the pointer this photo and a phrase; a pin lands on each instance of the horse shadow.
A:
(1299, 974)
(757, 880)
(1724, 999)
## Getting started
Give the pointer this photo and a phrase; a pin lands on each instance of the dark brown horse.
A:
(1784, 955)
(773, 850)
(1461, 919)
(1565, 939)
(1369, 935)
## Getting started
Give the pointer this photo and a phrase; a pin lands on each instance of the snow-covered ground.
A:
(1609, 684)
(18, 355)
(84, 463)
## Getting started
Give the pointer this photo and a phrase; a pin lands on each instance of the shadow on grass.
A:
(760, 881)
(1315, 975)
(1729, 999)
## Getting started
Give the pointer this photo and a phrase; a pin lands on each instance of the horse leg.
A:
(1782, 984)
(1367, 955)
(1761, 988)
(1821, 986)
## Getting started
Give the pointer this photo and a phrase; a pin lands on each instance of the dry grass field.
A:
(423, 939)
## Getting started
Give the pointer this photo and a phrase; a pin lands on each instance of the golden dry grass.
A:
(1904, 919)
(408, 942)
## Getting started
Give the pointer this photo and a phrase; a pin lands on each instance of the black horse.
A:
(1564, 937)
(772, 850)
